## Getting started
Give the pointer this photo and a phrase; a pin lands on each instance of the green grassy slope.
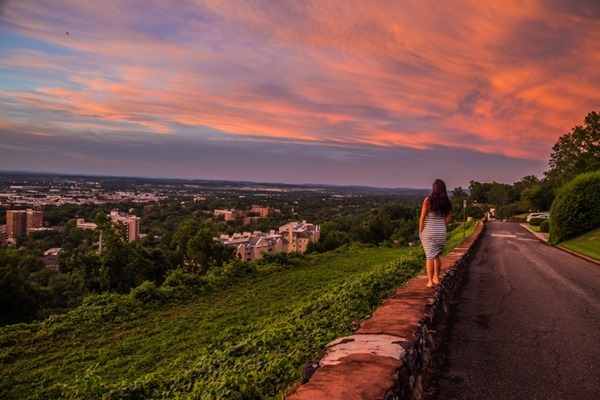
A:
(248, 340)
(588, 244)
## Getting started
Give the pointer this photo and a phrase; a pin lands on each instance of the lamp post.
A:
(464, 218)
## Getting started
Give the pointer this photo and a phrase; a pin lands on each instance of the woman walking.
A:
(435, 217)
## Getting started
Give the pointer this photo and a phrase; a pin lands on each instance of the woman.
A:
(435, 217)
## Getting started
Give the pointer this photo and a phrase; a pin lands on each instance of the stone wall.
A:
(387, 354)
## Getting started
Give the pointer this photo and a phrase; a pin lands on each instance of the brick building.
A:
(22, 222)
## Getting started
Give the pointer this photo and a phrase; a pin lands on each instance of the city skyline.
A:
(381, 94)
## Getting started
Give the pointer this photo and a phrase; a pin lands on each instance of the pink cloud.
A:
(460, 75)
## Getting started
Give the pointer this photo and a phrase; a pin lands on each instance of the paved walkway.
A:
(527, 324)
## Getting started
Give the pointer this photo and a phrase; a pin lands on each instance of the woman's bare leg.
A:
(437, 266)
(429, 266)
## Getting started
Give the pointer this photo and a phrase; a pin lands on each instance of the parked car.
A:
(537, 215)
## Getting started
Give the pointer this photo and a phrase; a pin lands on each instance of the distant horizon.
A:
(308, 184)
(380, 94)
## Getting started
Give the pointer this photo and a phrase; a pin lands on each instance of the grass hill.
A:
(242, 333)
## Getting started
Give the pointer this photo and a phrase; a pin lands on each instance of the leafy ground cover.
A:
(246, 339)
(587, 244)
(457, 235)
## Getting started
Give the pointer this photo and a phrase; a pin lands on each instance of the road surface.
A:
(526, 324)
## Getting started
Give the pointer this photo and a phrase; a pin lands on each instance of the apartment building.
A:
(298, 235)
(292, 237)
(231, 215)
(22, 222)
(130, 221)
(81, 224)
(263, 211)
(252, 246)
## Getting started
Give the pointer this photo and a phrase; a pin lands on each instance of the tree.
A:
(18, 299)
(576, 152)
(115, 256)
(195, 242)
(500, 194)
(479, 191)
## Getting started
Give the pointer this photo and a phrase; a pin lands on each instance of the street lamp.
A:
(464, 218)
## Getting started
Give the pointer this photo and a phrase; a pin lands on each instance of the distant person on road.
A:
(434, 220)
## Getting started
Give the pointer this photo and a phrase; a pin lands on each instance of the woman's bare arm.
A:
(424, 210)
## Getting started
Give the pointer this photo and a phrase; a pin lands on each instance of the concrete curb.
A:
(576, 254)
(387, 356)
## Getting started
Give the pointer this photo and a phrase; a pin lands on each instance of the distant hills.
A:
(8, 178)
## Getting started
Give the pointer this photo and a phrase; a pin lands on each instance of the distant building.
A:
(292, 237)
(130, 221)
(263, 211)
(252, 246)
(81, 224)
(51, 258)
(298, 235)
(16, 223)
(231, 215)
(22, 222)
(35, 220)
(251, 220)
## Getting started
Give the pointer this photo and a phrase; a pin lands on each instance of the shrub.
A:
(537, 221)
(147, 293)
(576, 208)
(545, 226)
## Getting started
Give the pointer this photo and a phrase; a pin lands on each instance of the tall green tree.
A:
(195, 242)
(576, 152)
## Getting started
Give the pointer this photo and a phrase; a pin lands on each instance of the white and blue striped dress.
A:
(433, 235)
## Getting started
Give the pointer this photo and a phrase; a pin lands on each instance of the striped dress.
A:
(433, 236)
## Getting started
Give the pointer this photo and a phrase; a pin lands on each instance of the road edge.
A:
(576, 254)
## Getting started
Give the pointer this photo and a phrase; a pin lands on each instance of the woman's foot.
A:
(436, 281)
(430, 284)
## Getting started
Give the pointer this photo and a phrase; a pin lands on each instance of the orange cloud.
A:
(466, 74)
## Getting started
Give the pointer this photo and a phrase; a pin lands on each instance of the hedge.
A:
(536, 221)
(576, 208)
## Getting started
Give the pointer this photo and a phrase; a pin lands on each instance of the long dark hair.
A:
(438, 199)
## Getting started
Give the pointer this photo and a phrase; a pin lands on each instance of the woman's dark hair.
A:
(438, 199)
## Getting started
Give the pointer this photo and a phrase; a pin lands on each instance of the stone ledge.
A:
(378, 345)
(385, 358)
(346, 380)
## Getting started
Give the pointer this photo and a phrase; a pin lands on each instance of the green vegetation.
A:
(537, 221)
(246, 340)
(180, 235)
(243, 331)
(588, 244)
(576, 152)
(576, 209)
(455, 234)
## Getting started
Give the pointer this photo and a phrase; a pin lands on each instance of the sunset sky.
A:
(388, 93)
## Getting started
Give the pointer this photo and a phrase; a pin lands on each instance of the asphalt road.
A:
(526, 324)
